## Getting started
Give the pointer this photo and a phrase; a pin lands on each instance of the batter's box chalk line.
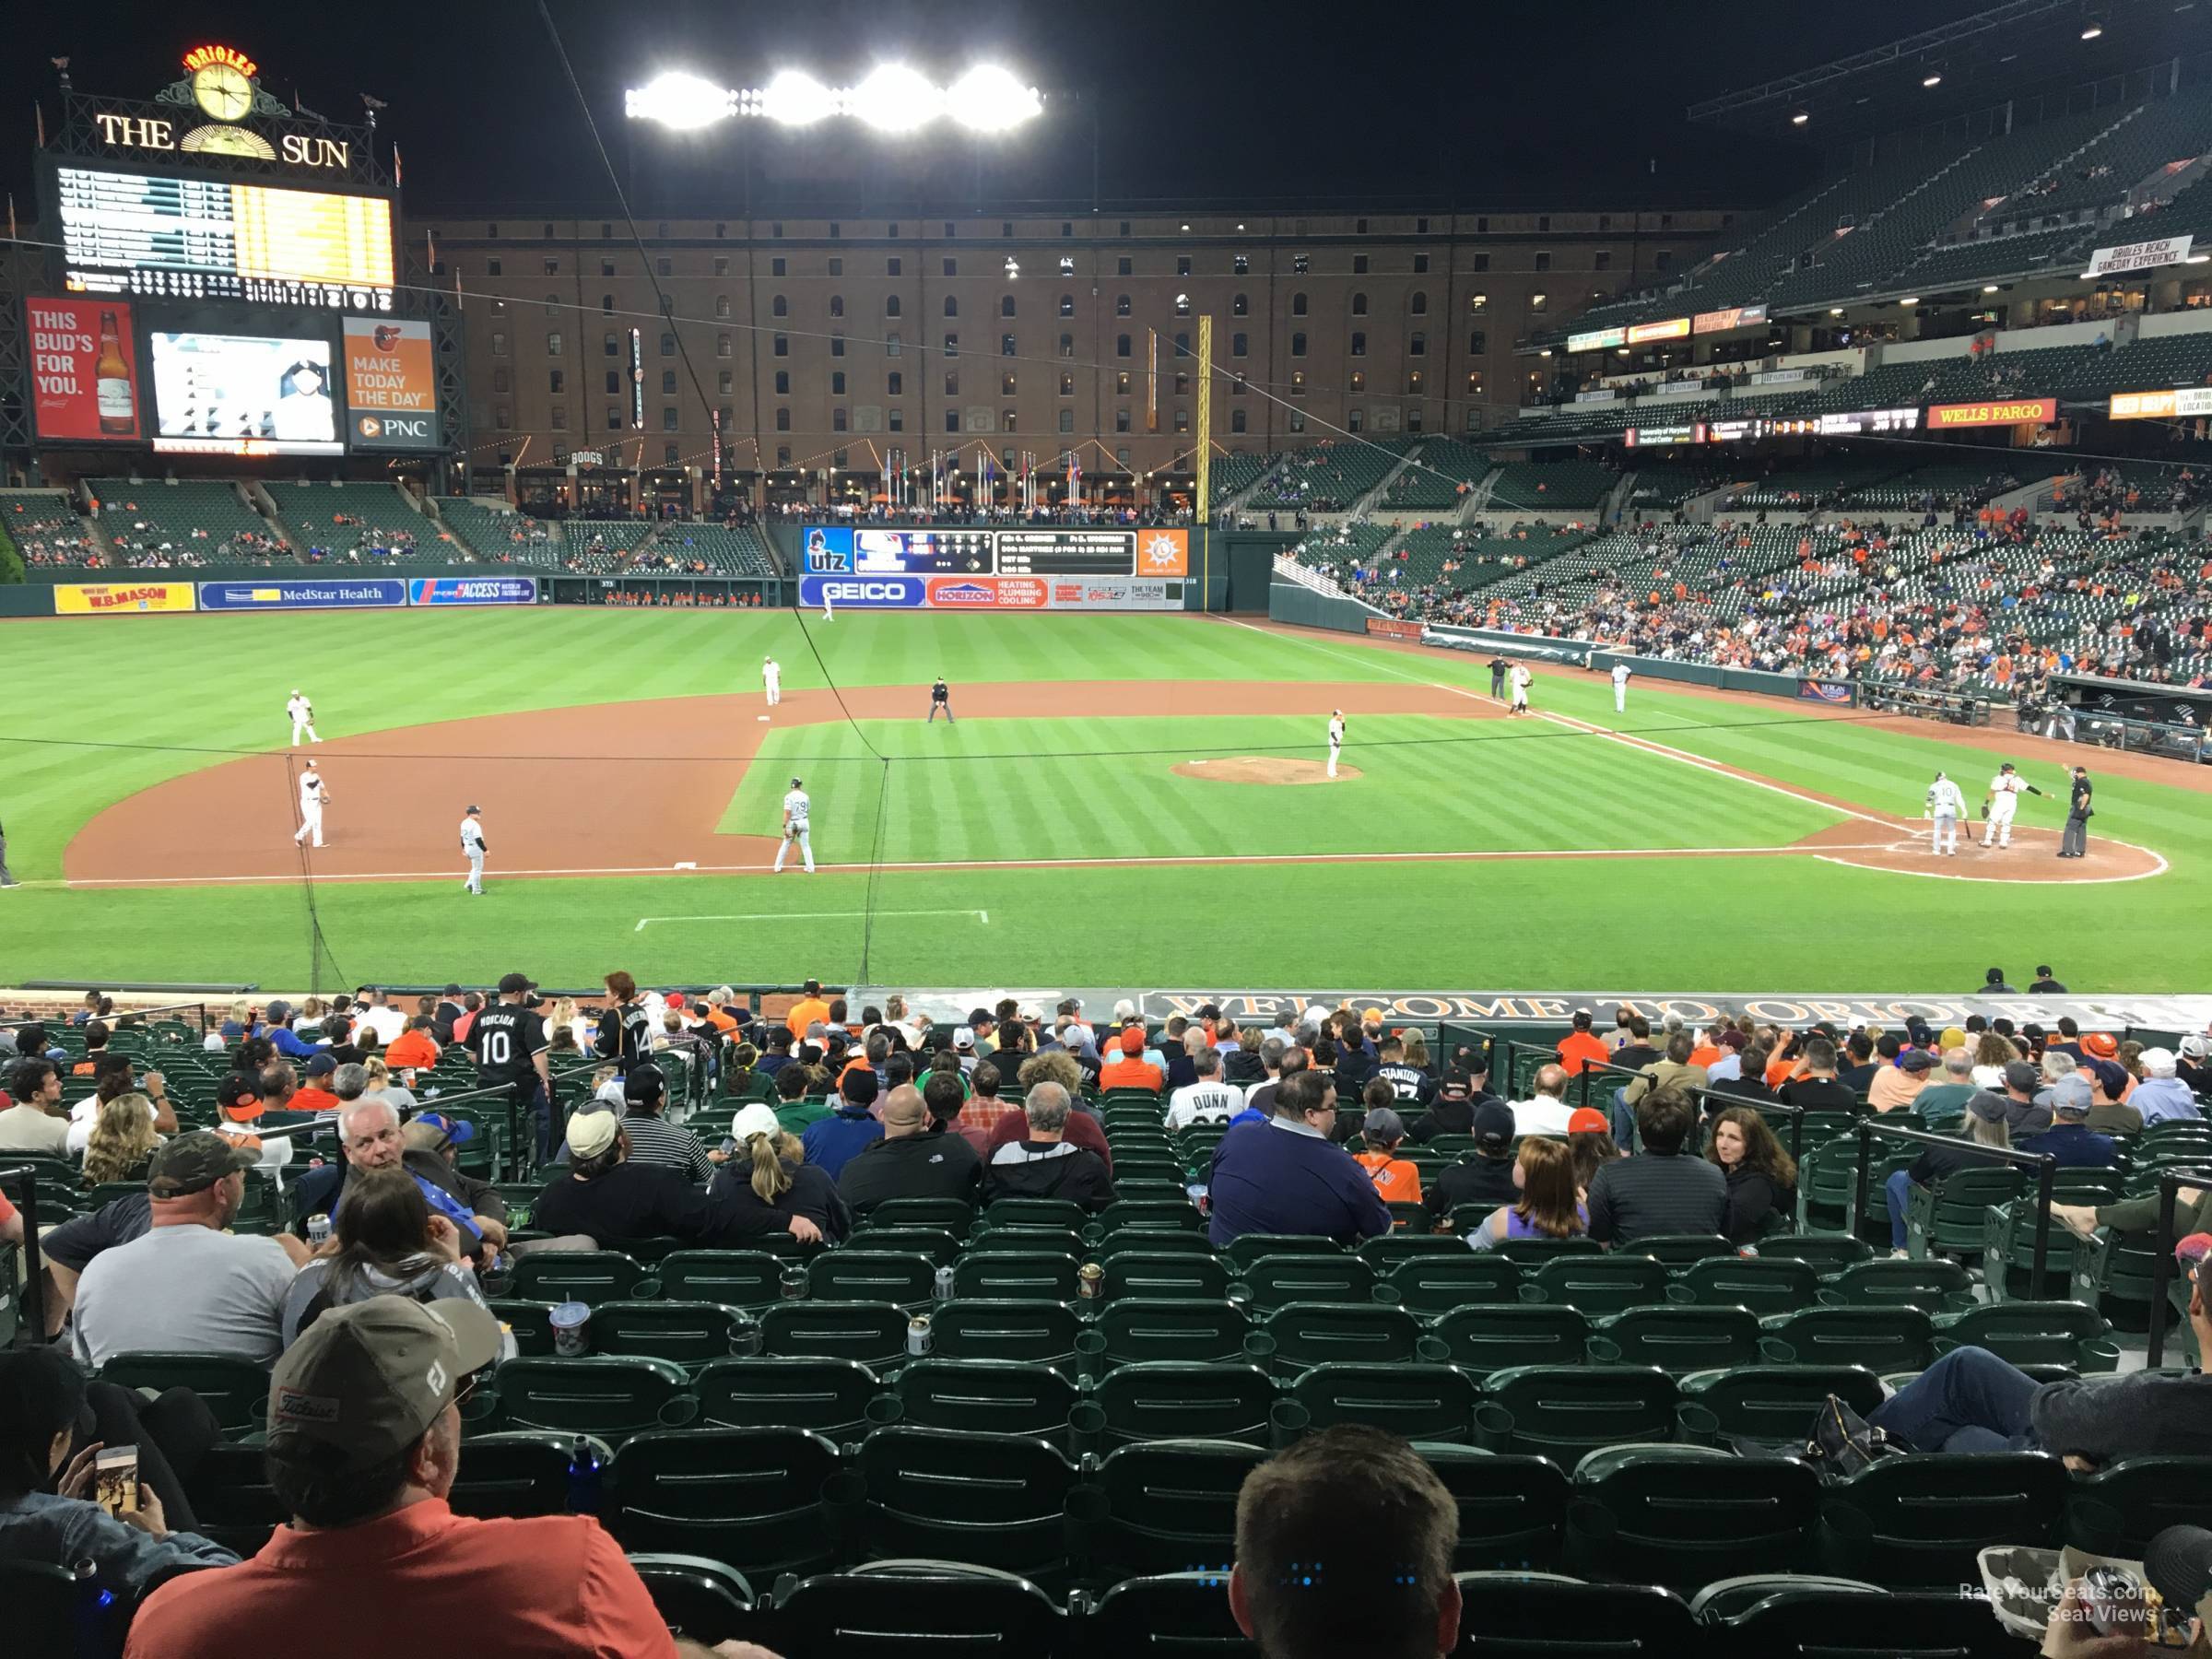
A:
(982, 916)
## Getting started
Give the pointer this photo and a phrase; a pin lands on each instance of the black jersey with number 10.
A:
(506, 1039)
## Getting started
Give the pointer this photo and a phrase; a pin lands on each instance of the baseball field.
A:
(1124, 799)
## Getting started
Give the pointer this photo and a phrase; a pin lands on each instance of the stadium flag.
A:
(39, 111)
(429, 237)
(395, 171)
(1151, 380)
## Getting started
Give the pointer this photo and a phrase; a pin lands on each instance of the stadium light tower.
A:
(892, 98)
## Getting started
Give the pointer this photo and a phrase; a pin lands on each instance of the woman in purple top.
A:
(1548, 1207)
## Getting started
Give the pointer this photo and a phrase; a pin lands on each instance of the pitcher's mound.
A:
(1264, 768)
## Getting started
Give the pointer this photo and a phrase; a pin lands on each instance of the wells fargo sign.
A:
(2009, 411)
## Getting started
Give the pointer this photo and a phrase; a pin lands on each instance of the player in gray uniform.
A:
(798, 809)
(1946, 807)
(472, 848)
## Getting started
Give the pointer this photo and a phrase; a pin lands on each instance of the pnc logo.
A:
(369, 426)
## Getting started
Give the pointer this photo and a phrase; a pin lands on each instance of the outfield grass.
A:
(106, 707)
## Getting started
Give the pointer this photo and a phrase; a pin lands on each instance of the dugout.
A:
(2128, 714)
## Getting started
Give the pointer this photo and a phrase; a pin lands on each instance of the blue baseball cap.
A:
(458, 1130)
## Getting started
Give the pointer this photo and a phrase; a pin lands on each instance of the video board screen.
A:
(863, 551)
(223, 394)
(170, 238)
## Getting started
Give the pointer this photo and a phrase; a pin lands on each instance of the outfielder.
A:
(1336, 738)
(303, 718)
(771, 676)
(1520, 675)
(940, 701)
(311, 801)
(796, 809)
(1946, 807)
(1620, 687)
(2002, 801)
(472, 848)
(828, 610)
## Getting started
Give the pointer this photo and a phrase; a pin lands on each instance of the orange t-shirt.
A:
(1704, 1055)
(1579, 1049)
(312, 1098)
(1778, 1071)
(804, 1013)
(1130, 1071)
(411, 1048)
(1397, 1180)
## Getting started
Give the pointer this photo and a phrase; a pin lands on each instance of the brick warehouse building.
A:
(838, 341)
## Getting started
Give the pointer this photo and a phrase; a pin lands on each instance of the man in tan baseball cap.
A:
(364, 1447)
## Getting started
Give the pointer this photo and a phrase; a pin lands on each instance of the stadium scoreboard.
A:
(163, 236)
(1041, 550)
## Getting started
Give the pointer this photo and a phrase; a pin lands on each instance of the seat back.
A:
(901, 1278)
(1881, 1339)
(1522, 1615)
(1763, 1284)
(1147, 1327)
(1170, 1503)
(1921, 1520)
(1308, 1332)
(236, 1388)
(589, 1276)
(1035, 1333)
(690, 1333)
(1273, 1281)
(1165, 1273)
(1513, 1511)
(1678, 1338)
(1563, 1411)
(1934, 1287)
(514, 1475)
(1176, 1399)
(873, 1332)
(986, 1396)
(1419, 1402)
(612, 1396)
(737, 1278)
(1019, 1276)
(1684, 1515)
(708, 1601)
(827, 1395)
(1485, 1338)
(955, 1216)
(1600, 1285)
(925, 1607)
(992, 1499)
(1428, 1283)
(1773, 1404)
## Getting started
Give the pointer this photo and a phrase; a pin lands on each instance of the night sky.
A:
(1481, 104)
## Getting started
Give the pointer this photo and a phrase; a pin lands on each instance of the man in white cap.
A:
(314, 797)
(472, 848)
(364, 1447)
(797, 812)
(771, 677)
(303, 717)
(1946, 807)
(2003, 801)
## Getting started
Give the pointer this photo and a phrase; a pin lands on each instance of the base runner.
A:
(1946, 807)
(1520, 676)
(797, 809)
(1336, 738)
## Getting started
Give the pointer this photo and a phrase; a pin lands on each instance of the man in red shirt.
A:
(1582, 1045)
(314, 1095)
(364, 1445)
(412, 1047)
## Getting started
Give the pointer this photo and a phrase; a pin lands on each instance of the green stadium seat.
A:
(1018, 1276)
(1175, 1213)
(1798, 1618)
(1167, 1615)
(1421, 1402)
(1824, 1253)
(708, 1601)
(1429, 1284)
(235, 1388)
(985, 1397)
(1946, 1220)
(1249, 1247)
(1598, 1284)
(1484, 1339)
(902, 1609)
(2118, 1511)
(1163, 1272)
(1034, 1333)
(1269, 1282)
(1683, 1515)
(530, 1323)
(939, 1244)
(1763, 1284)
(1919, 1522)
(750, 1280)
(1774, 1405)
(610, 1396)
(1393, 1250)
(2026, 1333)
(1176, 1399)
(232, 1498)
(1883, 1339)
(872, 1333)
(689, 1334)
(955, 1216)
(1513, 1511)
(2008, 1244)
(1312, 1333)
(1024, 1241)
(589, 1276)
(829, 1397)
(1131, 1328)
(1681, 1250)
(1034, 1212)
(988, 1499)
(899, 1278)
(515, 1474)
(1935, 1287)
(1170, 1506)
(1521, 1616)
(1678, 1338)
(1563, 1411)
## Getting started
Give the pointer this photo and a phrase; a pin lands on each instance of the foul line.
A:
(644, 922)
(1665, 751)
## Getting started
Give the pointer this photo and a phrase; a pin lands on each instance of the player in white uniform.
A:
(771, 676)
(472, 848)
(1620, 687)
(1946, 806)
(1520, 678)
(311, 801)
(303, 718)
(828, 610)
(1336, 738)
(797, 809)
(2004, 800)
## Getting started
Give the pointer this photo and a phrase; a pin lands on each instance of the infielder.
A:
(1620, 687)
(796, 809)
(303, 718)
(2002, 801)
(311, 801)
(472, 848)
(940, 698)
(1520, 676)
(771, 676)
(1946, 807)
(1336, 738)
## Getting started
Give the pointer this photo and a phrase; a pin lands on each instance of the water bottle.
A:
(583, 1476)
(92, 1610)
(944, 1284)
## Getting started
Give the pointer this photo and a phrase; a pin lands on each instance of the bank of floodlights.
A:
(892, 98)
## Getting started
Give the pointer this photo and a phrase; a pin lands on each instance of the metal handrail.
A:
(2042, 1163)
(34, 1268)
(2162, 1264)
